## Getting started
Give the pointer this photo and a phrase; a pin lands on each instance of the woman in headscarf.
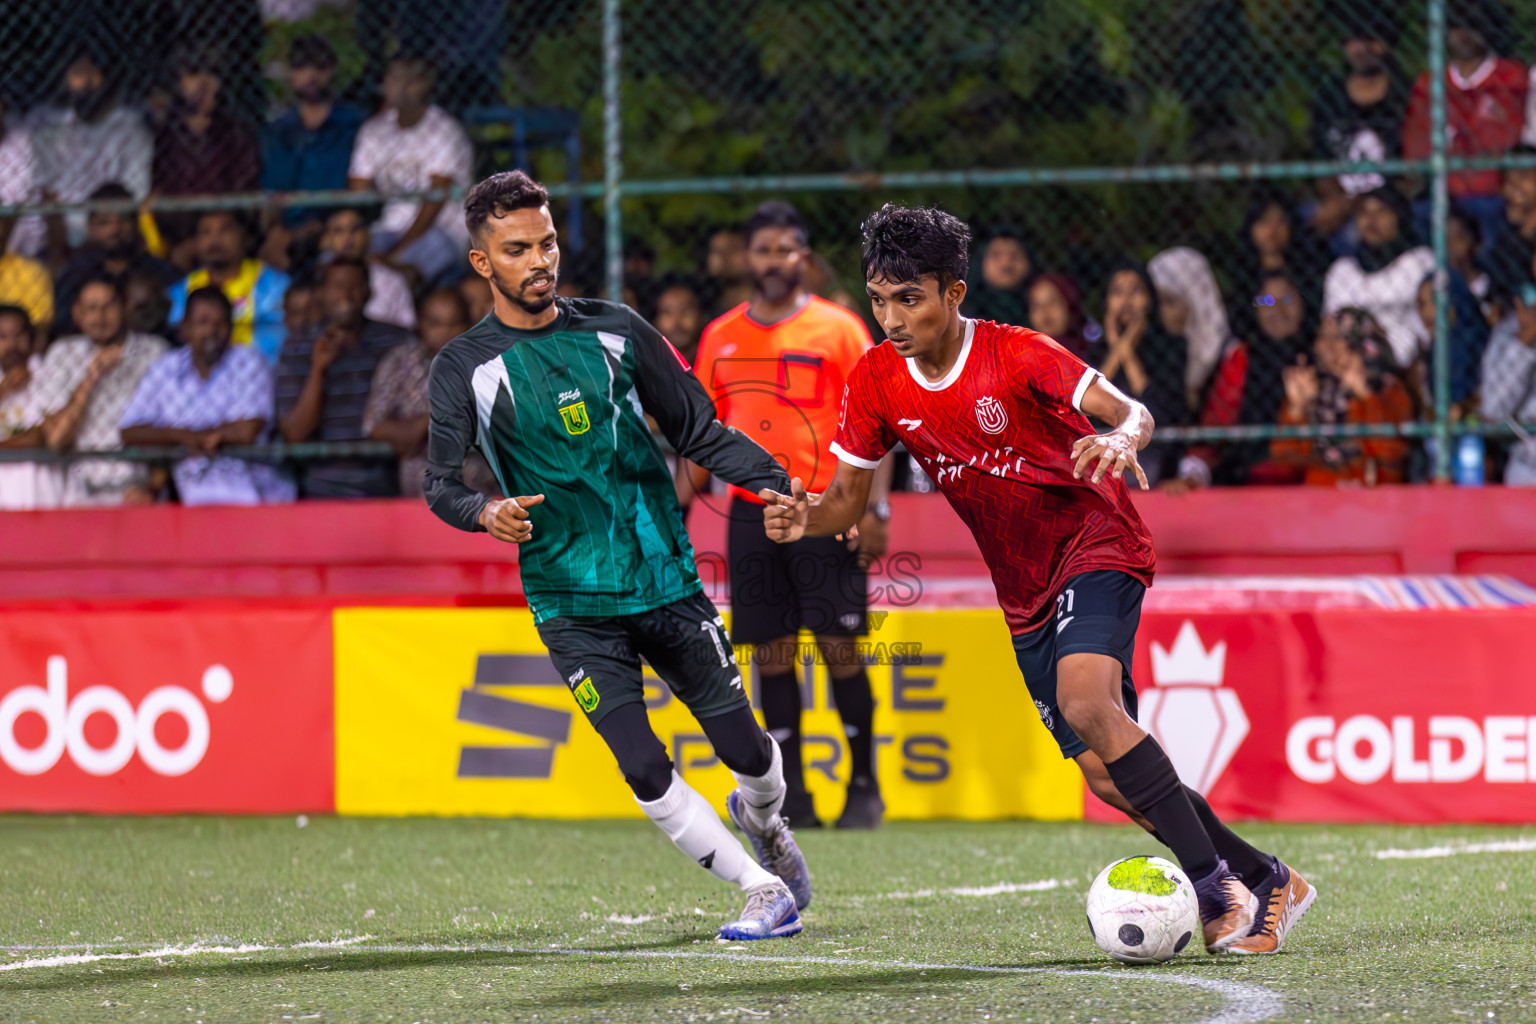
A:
(1056, 310)
(1469, 333)
(1247, 387)
(1383, 276)
(1355, 380)
(1138, 355)
(1001, 289)
(1192, 306)
(1273, 240)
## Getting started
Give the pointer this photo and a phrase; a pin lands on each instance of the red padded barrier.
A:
(398, 548)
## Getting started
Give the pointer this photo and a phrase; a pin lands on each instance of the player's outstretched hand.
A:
(786, 515)
(507, 518)
(1115, 452)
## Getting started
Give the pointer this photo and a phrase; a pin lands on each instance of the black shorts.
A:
(779, 589)
(1096, 613)
(685, 642)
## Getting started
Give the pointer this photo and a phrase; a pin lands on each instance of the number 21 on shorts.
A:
(1063, 608)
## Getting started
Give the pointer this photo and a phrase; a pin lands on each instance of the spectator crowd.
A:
(217, 328)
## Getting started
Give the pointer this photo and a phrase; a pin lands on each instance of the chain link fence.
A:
(1234, 207)
(1212, 159)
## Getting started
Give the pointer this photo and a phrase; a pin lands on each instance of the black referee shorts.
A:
(685, 642)
(777, 590)
(1096, 613)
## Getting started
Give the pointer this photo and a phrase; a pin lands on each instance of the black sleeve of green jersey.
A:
(451, 433)
(681, 407)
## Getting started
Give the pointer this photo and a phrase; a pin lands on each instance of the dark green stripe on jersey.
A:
(561, 412)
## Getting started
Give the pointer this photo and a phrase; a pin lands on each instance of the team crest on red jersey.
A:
(991, 415)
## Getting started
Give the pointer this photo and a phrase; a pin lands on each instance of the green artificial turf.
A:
(471, 920)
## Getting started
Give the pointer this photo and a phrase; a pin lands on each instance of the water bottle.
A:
(1468, 468)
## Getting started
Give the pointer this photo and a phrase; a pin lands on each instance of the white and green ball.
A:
(1143, 910)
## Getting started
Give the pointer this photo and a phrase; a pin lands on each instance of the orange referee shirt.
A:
(782, 385)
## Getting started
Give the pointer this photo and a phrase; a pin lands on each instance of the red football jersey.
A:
(996, 436)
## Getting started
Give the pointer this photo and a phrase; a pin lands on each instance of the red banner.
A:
(191, 710)
(1344, 715)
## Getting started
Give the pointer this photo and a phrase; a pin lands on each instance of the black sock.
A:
(1251, 865)
(856, 707)
(780, 697)
(1145, 777)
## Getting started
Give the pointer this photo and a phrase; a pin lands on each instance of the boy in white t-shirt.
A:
(412, 145)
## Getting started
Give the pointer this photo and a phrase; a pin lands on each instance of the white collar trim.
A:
(1476, 78)
(954, 371)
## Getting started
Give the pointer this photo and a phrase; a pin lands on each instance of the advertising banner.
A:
(1346, 716)
(166, 711)
(459, 711)
(1292, 715)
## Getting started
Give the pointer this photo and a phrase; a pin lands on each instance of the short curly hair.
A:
(498, 196)
(906, 244)
(214, 296)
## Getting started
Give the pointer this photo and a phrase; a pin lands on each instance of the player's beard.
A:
(519, 297)
(776, 285)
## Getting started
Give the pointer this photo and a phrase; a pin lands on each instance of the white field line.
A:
(151, 954)
(68, 959)
(1428, 852)
(986, 890)
(1245, 1004)
(355, 940)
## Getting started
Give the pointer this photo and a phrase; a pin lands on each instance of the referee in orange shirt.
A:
(776, 368)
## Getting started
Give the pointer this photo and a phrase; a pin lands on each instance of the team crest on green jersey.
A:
(575, 417)
(586, 693)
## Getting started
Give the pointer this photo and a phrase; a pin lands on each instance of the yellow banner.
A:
(459, 711)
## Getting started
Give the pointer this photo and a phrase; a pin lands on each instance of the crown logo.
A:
(1199, 722)
(1188, 663)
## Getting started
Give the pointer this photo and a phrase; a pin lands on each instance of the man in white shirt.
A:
(79, 394)
(93, 140)
(413, 145)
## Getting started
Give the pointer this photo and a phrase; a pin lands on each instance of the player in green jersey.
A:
(554, 393)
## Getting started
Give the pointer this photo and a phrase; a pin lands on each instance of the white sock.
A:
(763, 795)
(697, 830)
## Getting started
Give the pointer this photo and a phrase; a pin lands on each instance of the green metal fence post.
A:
(1439, 209)
(613, 234)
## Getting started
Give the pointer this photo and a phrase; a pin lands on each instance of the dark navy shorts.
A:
(685, 642)
(1096, 613)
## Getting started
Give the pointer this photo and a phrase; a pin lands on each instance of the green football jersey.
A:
(561, 412)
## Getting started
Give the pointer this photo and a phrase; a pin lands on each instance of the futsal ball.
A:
(1143, 910)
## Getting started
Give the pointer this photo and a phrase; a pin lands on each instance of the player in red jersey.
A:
(997, 416)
